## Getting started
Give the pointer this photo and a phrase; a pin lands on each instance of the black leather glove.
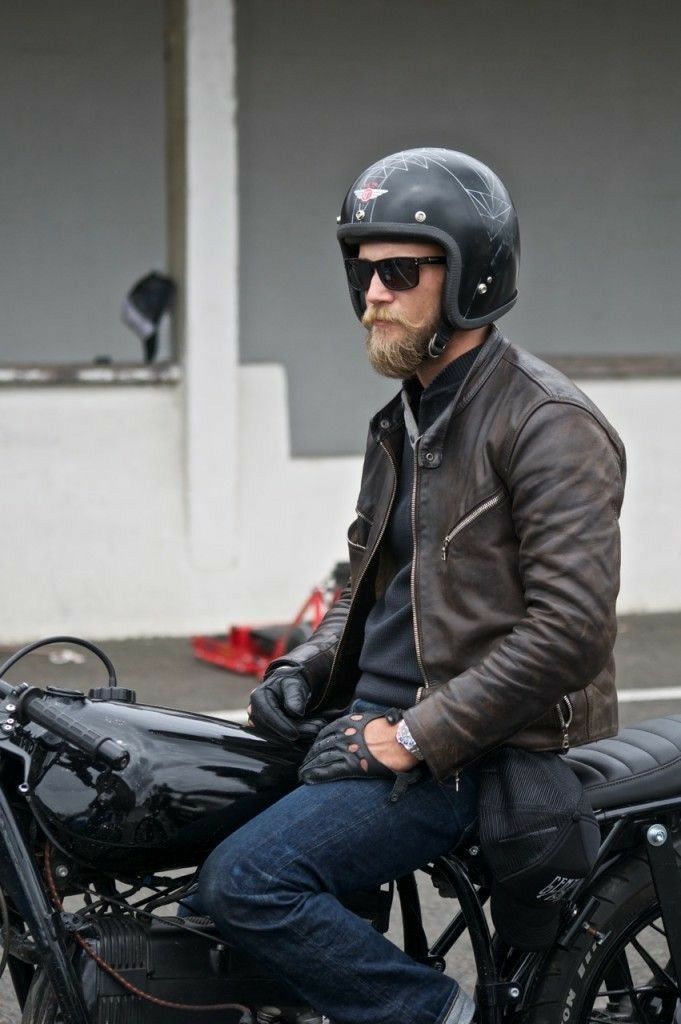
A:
(279, 703)
(341, 752)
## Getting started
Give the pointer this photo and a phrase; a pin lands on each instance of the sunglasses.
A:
(398, 273)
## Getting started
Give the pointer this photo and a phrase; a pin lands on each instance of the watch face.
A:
(405, 738)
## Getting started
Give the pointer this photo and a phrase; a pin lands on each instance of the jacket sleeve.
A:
(315, 656)
(565, 478)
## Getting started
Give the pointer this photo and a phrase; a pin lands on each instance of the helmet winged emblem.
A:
(369, 191)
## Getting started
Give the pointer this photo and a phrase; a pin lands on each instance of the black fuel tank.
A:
(191, 781)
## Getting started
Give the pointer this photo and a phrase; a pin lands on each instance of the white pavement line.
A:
(238, 715)
(661, 693)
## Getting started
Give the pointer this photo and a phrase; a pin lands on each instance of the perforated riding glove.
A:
(278, 705)
(341, 751)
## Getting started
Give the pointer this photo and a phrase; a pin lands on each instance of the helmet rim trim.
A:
(351, 234)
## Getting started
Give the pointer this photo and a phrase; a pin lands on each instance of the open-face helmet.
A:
(441, 196)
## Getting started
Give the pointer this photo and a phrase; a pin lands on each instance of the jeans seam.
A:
(450, 1005)
(373, 993)
(458, 994)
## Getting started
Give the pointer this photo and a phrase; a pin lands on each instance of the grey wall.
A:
(82, 202)
(574, 103)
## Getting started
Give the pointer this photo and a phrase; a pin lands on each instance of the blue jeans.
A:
(272, 888)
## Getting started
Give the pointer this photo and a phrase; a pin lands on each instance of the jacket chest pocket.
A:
(478, 563)
(472, 517)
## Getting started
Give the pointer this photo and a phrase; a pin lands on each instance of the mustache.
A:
(374, 313)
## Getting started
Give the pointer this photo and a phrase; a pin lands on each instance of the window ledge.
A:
(583, 367)
(37, 374)
(615, 367)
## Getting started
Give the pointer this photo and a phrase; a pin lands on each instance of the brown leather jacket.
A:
(517, 491)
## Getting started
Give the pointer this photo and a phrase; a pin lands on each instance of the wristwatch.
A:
(406, 740)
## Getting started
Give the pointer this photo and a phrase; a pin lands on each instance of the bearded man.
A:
(481, 610)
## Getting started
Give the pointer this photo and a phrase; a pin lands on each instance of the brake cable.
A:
(23, 651)
(246, 1016)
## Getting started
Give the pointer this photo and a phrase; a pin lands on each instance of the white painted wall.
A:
(647, 415)
(95, 531)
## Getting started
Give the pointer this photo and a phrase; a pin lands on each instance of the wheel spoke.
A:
(658, 972)
(618, 976)
(638, 1006)
(608, 993)
(619, 981)
(628, 977)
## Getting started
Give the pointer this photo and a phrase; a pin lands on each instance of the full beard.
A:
(396, 352)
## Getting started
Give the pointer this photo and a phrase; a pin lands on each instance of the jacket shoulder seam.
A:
(530, 376)
(552, 400)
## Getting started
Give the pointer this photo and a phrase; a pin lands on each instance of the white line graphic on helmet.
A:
(491, 204)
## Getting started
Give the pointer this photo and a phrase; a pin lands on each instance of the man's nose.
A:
(377, 292)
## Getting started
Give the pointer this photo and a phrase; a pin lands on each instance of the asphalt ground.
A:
(164, 671)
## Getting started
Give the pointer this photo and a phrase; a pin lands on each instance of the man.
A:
(485, 567)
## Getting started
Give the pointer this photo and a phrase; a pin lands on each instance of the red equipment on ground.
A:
(249, 649)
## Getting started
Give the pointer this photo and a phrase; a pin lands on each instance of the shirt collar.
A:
(449, 377)
(390, 418)
(423, 405)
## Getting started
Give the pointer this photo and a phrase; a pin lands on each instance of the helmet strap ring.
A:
(438, 342)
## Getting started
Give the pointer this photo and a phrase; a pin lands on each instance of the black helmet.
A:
(438, 195)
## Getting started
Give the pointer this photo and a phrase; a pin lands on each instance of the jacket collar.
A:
(391, 417)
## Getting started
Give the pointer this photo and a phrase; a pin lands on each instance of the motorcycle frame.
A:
(494, 993)
(21, 881)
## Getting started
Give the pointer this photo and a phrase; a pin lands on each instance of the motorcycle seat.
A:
(640, 764)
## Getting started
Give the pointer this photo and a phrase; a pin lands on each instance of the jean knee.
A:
(230, 885)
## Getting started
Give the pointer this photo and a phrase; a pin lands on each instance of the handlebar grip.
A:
(59, 721)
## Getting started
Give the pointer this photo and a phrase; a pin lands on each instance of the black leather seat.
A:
(641, 763)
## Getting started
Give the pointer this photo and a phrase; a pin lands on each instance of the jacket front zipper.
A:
(414, 615)
(565, 720)
(362, 573)
(468, 519)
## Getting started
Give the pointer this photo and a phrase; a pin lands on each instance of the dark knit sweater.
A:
(388, 662)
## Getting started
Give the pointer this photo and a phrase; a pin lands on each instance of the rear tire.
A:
(585, 983)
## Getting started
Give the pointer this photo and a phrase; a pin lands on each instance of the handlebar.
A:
(31, 706)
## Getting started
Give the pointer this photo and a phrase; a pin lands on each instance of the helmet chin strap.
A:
(438, 343)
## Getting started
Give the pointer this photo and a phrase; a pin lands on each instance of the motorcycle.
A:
(107, 807)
